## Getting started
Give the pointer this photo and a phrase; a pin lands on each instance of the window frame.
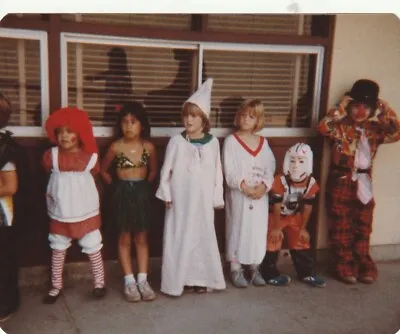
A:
(200, 46)
(41, 36)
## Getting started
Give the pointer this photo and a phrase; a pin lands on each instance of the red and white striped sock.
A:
(57, 266)
(97, 264)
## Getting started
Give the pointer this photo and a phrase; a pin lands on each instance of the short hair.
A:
(5, 111)
(254, 107)
(193, 109)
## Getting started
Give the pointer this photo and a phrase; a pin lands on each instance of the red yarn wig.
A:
(77, 121)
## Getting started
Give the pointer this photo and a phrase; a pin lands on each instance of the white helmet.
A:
(298, 162)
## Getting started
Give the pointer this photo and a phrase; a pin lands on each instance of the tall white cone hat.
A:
(202, 97)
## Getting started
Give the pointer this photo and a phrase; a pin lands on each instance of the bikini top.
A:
(122, 161)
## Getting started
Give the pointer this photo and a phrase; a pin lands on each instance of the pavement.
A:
(298, 308)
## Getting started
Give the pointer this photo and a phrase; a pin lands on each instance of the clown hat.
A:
(365, 91)
(202, 97)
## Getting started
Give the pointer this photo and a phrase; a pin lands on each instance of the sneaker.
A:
(132, 293)
(146, 291)
(348, 279)
(238, 279)
(256, 278)
(281, 280)
(366, 279)
(315, 281)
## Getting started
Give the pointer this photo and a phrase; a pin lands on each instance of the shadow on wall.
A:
(227, 110)
(117, 82)
(165, 105)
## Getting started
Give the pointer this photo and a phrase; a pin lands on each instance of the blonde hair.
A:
(194, 110)
(255, 108)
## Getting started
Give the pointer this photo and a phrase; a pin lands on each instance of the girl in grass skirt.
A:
(134, 160)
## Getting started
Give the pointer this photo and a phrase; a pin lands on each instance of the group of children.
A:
(262, 209)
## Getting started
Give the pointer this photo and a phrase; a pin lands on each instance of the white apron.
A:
(72, 196)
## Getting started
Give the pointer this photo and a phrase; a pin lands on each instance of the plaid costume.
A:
(351, 221)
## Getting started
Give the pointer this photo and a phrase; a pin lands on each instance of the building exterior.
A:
(299, 65)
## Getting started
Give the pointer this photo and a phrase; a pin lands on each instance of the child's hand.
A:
(304, 236)
(382, 104)
(259, 191)
(168, 205)
(248, 191)
(276, 235)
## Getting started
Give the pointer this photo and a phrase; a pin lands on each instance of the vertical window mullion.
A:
(200, 65)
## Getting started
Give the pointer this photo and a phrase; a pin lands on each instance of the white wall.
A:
(368, 46)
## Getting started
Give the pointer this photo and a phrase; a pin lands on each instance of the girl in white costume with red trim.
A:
(249, 167)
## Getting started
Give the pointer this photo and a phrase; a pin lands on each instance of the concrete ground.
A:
(338, 308)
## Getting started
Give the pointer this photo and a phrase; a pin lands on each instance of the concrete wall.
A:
(368, 46)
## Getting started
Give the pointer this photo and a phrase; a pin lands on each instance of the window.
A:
(23, 79)
(284, 24)
(174, 21)
(99, 72)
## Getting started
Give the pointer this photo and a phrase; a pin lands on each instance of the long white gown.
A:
(246, 219)
(191, 178)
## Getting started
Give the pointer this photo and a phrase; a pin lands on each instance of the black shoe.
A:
(49, 299)
(99, 293)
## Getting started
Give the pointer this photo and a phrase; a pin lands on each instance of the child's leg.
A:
(59, 244)
(91, 244)
(131, 291)
(340, 205)
(237, 275)
(299, 249)
(9, 289)
(363, 229)
(142, 253)
(301, 253)
(268, 268)
(124, 251)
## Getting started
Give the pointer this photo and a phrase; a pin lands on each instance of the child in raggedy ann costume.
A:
(292, 198)
(356, 127)
(191, 186)
(72, 196)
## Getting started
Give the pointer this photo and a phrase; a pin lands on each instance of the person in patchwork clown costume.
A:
(292, 197)
(356, 127)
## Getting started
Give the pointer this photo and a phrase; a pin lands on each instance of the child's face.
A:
(67, 139)
(298, 168)
(193, 123)
(130, 127)
(247, 121)
(360, 111)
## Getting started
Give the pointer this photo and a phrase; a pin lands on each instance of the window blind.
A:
(20, 79)
(279, 80)
(174, 21)
(284, 24)
(103, 76)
